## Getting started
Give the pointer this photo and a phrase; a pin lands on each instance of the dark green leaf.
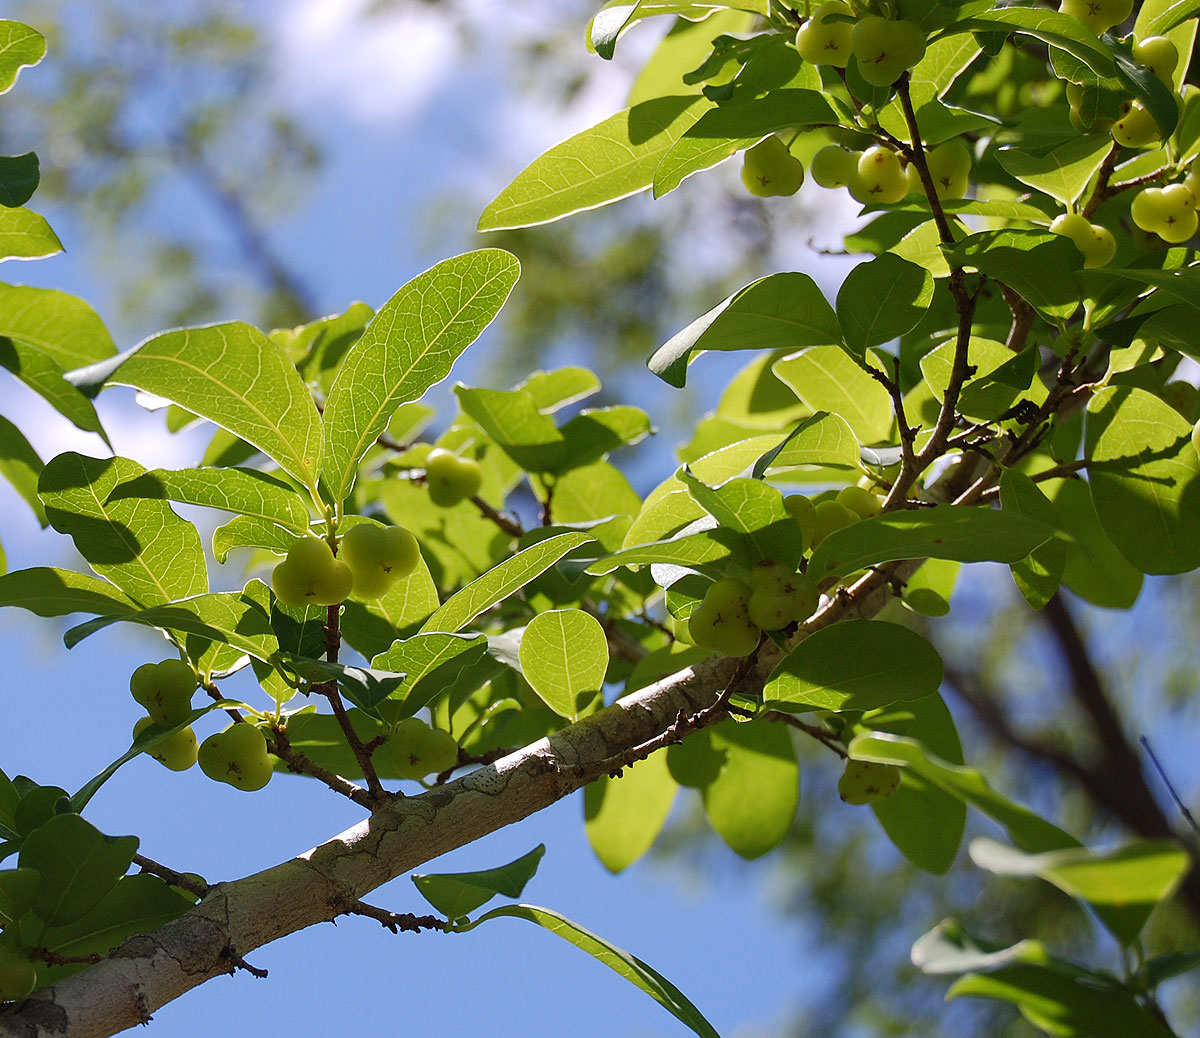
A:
(458, 894)
(882, 299)
(19, 177)
(58, 592)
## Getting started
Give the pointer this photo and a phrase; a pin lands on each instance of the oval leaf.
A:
(564, 655)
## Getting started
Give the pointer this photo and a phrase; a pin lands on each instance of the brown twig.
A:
(397, 922)
(823, 735)
(302, 764)
(176, 879)
(509, 526)
(236, 962)
(466, 760)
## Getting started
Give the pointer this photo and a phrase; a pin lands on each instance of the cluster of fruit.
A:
(885, 48)
(371, 559)
(1169, 212)
(734, 612)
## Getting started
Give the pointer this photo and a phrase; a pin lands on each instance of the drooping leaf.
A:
(854, 665)
(410, 345)
(1094, 570)
(612, 160)
(821, 439)
(1038, 265)
(621, 962)
(234, 376)
(564, 654)
(501, 581)
(1062, 173)
(1059, 29)
(780, 311)
(1145, 479)
(21, 466)
(882, 299)
(1040, 573)
(458, 894)
(752, 799)
(78, 864)
(753, 509)
(43, 375)
(141, 546)
(959, 532)
(624, 815)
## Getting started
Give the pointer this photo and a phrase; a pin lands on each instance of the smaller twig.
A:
(466, 760)
(376, 795)
(397, 921)
(1183, 810)
(301, 764)
(230, 954)
(176, 879)
(55, 959)
(908, 434)
(1022, 319)
(509, 526)
(214, 694)
(1102, 191)
(822, 735)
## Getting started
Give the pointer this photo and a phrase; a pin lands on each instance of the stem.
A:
(301, 764)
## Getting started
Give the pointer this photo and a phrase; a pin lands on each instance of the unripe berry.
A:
(18, 977)
(722, 620)
(879, 178)
(829, 516)
(864, 782)
(237, 756)
(165, 690)
(822, 42)
(176, 752)
(451, 479)
(834, 166)
(769, 169)
(378, 556)
(418, 750)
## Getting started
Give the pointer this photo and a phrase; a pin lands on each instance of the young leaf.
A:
(458, 894)
(780, 311)
(564, 654)
(234, 376)
(143, 547)
(498, 583)
(410, 345)
(78, 864)
(621, 962)
(1145, 479)
(624, 815)
(610, 161)
(959, 532)
(854, 665)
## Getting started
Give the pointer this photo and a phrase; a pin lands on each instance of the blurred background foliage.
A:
(168, 148)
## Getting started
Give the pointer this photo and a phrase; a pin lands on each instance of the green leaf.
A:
(21, 466)
(882, 299)
(610, 161)
(59, 592)
(924, 822)
(963, 533)
(41, 374)
(141, 546)
(1000, 376)
(18, 888)
(248, 531)
(1067, 1004)
(821, 439)
(1062, 30)
(503, 580)
(754, 509)
(62, 326)
(553, 390)
(689, 548)
(623, 815)
(1145, 479)
(854, 665)
(247, 492)
(1039, 574)
(828, 379)
(1063, 172)
(564, 654)
(1024, 828)
(734, 126)
(19, 177)
(237, 378)
(20, 47)
(618, 15)
(432, 662)
(780, 311)
(410, 345)
(1164, 17)
(621, 962)
(1180, 283)
(25, 234)
(1036, 264)
(752, 799)
(79, 865)
(947, 948)
(1095, 570)
(458, 894)
(237, 617)
(137, 904)
(1123, 885)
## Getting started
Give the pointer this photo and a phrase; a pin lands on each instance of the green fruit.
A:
(418, 750)
(310, 575)
(378, 556)
(864, 782)
(1169, 212)
(177, 752)
(1098, 15)
(1095, 242)
(779, 596)
(829, 516)
(451, 479)
(886, 49)
(1136, 128)
(722, 621)
(860, 501)
(801, 508)
(949, 167)
(165, 690)
(237, 756)
(834, 166)
(18, 977)
(822, 42)
(1159, 55)
(879, 178)
(769, 169)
